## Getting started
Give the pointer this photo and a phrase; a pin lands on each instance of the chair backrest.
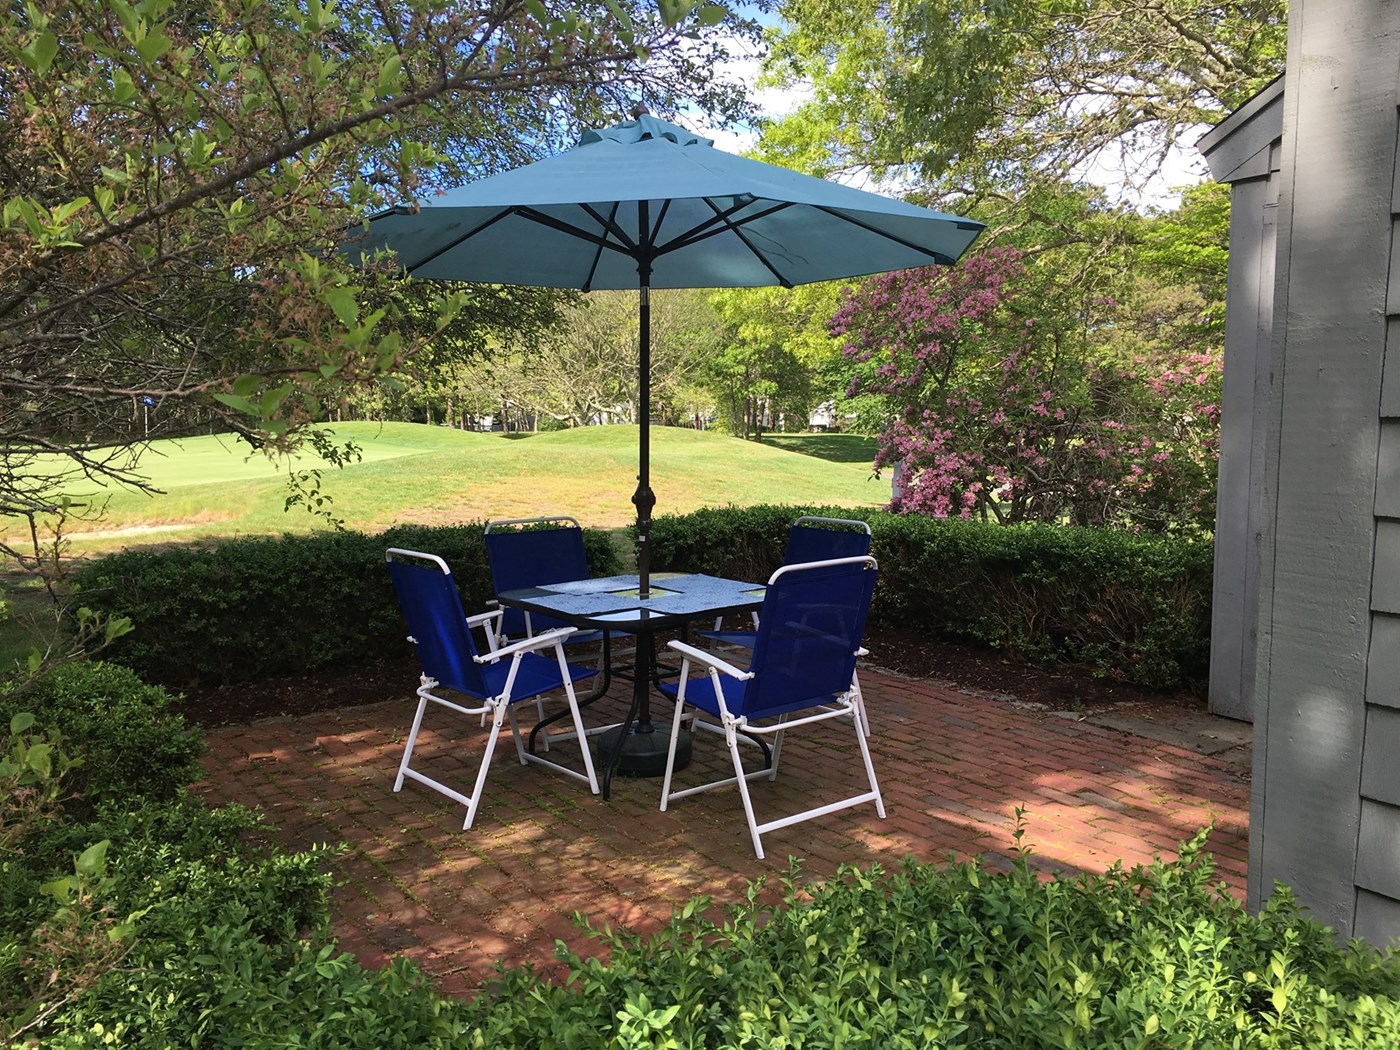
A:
(522, 554)
(809, 629)
(823, 539)
(436, 622)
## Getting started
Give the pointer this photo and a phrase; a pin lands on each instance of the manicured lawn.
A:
(214, 486)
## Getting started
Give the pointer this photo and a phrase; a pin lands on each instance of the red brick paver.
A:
(952, 767)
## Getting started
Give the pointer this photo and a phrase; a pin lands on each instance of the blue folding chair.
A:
(497, 679)
(803, 669)
(811, 538)
(533, 552)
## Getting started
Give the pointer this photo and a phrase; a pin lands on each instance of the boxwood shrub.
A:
(250, 609)
(128, 736)
(1136, 607)
(961, 956)
(1130, 606)
(191, 929)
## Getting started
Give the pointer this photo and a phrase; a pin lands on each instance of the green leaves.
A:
(40, 52)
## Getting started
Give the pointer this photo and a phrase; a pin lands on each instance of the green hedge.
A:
(1133, 607)
(960, 956)
(134, 916)
(251, 609)
(129, 741)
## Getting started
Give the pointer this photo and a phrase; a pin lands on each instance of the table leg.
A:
(638, 747)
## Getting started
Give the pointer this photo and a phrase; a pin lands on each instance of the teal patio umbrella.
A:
(647, 204)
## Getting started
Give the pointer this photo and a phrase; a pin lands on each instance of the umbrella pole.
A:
(644, 498)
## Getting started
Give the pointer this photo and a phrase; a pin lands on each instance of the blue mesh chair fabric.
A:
(810, 539)
(533, 557)
(802, 672)
(535, 552)
(490, 683)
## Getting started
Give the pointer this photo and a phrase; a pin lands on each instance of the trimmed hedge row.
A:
(250, 609)
(1133, 607)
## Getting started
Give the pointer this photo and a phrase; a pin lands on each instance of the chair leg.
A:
(676, 720)
(497, 718)
(858, 699)
(412, 740)
(732, 738)
(777, 750)
(581, 734)
(869, 767)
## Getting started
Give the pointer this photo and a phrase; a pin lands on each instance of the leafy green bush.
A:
(127, 741)
(171, 929)
(1134, 607)
(157, 923)
(961, 956)
(250, 609)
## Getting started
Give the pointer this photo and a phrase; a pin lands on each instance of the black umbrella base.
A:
(643, 749)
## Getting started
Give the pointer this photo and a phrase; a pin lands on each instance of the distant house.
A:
(1313, 467)
(823, 417)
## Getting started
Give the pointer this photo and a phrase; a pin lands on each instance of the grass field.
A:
(213, 486)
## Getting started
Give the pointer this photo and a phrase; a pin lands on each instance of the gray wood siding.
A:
(1383, 664)
(1377, 915)
(1244, 151)
(1239, 514)
(1330, 552)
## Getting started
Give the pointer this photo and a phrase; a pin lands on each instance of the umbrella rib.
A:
(609, 224)
(720, 223)
(577, 231)
(453, 244)
(598, 255)
(936, 256)
(737, 230)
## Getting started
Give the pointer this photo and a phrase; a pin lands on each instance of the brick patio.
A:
(952, 766)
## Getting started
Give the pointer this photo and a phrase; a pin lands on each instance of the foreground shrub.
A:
(960, 956)
(250, 609)
(126, 739)
(150, 920)
(155, 922)
(1132, 607)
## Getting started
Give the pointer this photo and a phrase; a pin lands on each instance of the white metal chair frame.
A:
(847, 705)
(497, 708)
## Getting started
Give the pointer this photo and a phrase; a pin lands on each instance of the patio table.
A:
(638, 746)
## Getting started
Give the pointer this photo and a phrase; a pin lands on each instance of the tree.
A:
(175, 179)
(997, 411)
(777, 356)
(1004, 99)
(590, 367)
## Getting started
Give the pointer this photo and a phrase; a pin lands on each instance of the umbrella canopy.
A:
(648, 204)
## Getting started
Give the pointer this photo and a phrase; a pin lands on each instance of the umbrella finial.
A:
(640, 110)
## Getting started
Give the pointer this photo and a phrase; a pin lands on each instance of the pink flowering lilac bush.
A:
(998, 406)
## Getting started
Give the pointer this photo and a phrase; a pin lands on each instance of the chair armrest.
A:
(709, 659)
(481, 618)
(491, 630)
(527, 645)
